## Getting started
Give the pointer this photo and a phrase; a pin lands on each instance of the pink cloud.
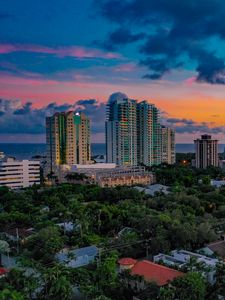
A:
(21, 81)
(189, 81)
(73, 51)
(125, 67)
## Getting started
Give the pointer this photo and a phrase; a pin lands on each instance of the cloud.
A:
(178, 34)
(211, 69)
(177, 120)
(121, 36)
(26, 108)
(70, 51)
(18, 118)
(190, 126)
(95, 111)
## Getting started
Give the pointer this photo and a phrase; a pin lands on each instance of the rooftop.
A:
(127, 261)
(161, 275)
(154, 188)
(3, 271)
(77, 257)
(80, 253)
(218, 248)
(18, 232)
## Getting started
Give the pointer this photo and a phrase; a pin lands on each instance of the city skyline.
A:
(134, 134)
(74, 55)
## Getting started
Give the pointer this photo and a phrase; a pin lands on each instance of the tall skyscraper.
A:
(68, 139)
(206, 152)
(168, 145)
(148, 134)
(121, 130)
(134, 134)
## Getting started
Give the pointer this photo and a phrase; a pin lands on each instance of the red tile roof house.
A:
(150, 272)
(3, 272)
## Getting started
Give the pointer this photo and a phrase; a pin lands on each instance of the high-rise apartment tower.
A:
(206, 152)
(121, 130)
(68, 139)
(168, 145)
(134, 134)
(149, 135)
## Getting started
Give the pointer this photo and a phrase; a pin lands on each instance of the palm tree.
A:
(57, 283)
(10, 294)
(4, 248)
(166, 293)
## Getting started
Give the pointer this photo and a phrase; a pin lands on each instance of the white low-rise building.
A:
(217, 183)
(17, 174)
(90, 167)
(2, 155)
(108, 174)
(180, 258)
(154, 189)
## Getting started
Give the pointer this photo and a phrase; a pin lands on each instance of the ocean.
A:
(26, 151)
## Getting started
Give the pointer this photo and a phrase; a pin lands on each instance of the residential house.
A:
(216, 248)
(67, 227)
(154, 189)
(17, 234)
(76, 258)
(3, 272)
(181, 258)
(149, 271)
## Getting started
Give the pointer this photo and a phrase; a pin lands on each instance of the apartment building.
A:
(17, 174)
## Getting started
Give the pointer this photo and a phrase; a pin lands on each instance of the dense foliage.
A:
(191, 215)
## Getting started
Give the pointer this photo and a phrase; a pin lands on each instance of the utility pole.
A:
(147, 247)
(17, 239)
(99, 256)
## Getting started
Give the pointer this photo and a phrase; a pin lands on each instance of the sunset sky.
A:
(57, 55)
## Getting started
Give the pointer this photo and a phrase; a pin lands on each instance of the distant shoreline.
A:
(28, 150)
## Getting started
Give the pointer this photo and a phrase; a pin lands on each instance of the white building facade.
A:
(121, 131)
(17, 174)
(134, 135)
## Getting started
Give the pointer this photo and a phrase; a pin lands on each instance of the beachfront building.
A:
(168, 145)
(134, 134)
(17, 174)
(206, 152)
(149, 140)
(68, 139)
(121, 130)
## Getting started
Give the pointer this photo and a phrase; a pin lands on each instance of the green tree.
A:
(57, 284)
(45, 244)
(4, 248)
(7, 294)
(102, 297)
(220, 281)
(206, 179)
(191, 286)
(107, 270)
(166, 293)
(18, 280)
